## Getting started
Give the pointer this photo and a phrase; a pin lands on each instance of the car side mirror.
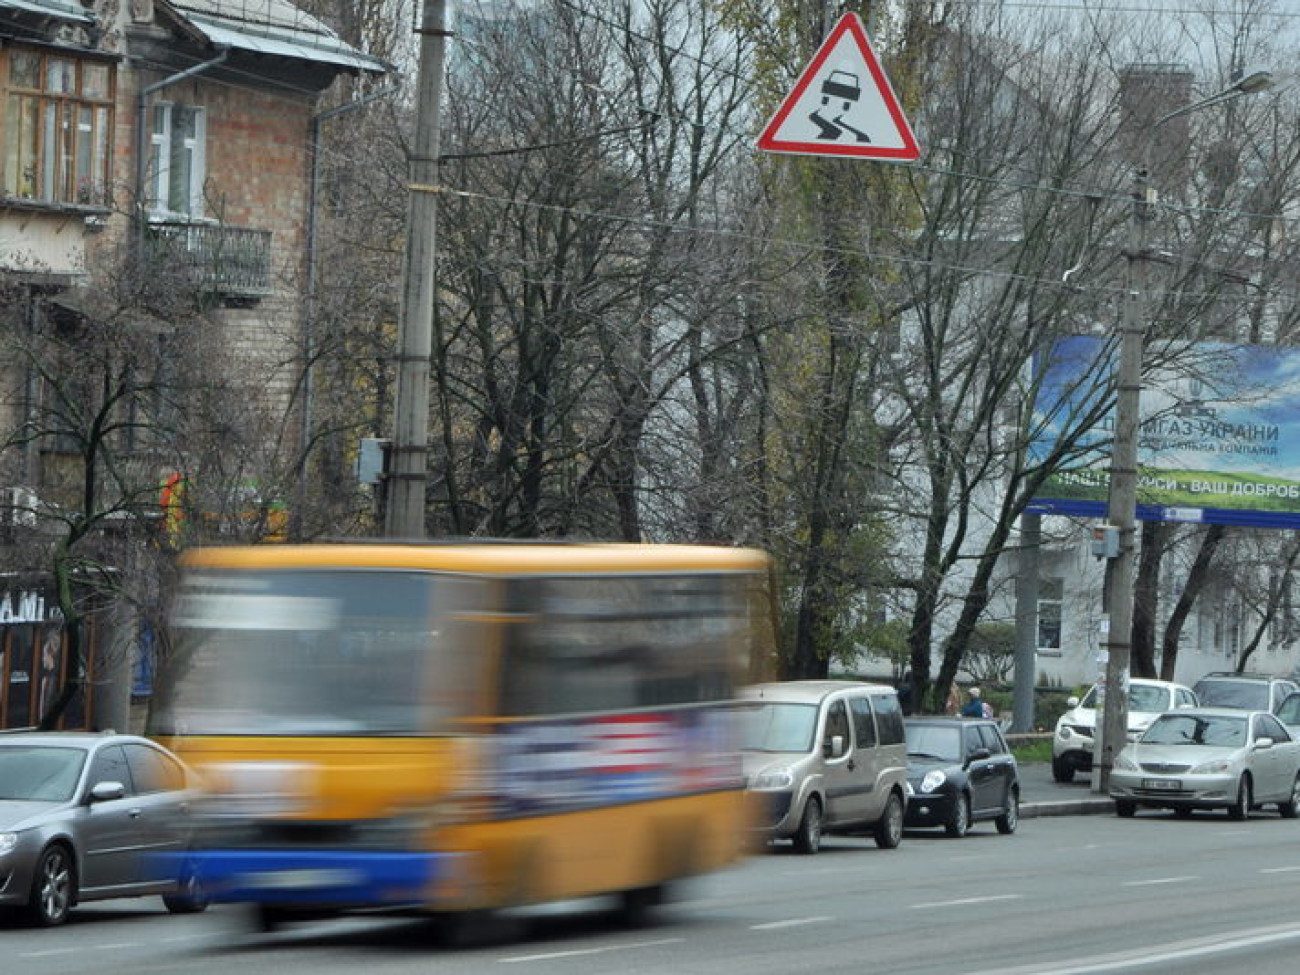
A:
(1071, 701)
(1264, 741)
(978, 755)
(835, 747)
(104, 791)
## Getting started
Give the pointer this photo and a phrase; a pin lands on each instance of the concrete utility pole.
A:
(409, 470)
(1121, 507)
(1026, 652)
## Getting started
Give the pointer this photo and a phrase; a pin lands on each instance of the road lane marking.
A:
(792, 923)
(577, 952)
(48, 952)
(1279, 869)
(1154, 881)
(967, 900)
(1160, 955)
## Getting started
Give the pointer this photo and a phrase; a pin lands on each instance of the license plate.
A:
(1164, 785)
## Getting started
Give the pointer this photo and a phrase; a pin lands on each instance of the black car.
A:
(960, 771)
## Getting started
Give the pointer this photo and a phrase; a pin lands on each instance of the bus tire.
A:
(637, 906)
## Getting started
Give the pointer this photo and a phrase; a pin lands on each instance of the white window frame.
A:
(160, 155)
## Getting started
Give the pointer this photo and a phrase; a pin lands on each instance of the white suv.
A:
(1076, 729)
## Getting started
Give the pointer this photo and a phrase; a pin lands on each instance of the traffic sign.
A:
(842, 104)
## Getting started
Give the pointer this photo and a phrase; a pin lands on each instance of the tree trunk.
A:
(1196, 580)
(1146, 598)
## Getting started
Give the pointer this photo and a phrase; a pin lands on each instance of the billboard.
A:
(1219, 439)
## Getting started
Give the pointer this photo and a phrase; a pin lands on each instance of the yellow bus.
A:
(463, 727)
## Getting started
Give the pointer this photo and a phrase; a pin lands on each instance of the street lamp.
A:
(1121, 506)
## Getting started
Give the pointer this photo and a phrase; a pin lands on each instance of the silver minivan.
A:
(825, 756)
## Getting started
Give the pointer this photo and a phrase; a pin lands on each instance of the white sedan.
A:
(1209, 758)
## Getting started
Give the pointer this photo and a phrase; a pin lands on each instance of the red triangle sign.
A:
(842, 104)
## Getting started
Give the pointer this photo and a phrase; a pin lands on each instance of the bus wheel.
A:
(636, 906)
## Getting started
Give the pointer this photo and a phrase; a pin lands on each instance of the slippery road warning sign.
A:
(842, 104)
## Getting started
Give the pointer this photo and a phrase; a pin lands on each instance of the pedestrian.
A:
(905, 692)
(974, 708)
(954, 701)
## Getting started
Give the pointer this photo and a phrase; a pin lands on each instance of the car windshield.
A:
(1141, 697)
(773, 727)
(1244, 694)
(934, 741)
(1197, 729)
(40, 773)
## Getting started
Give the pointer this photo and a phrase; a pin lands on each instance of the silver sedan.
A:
(80, 816)
(1209, 758)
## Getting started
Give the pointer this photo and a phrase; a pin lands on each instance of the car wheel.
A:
(889, 829)
(1062, 771)
(1010, 818)
(189, 898)
(808, 838)
(1125, 808)
(53, 887)
(1240, 809)
(959, 817)
(1291, 808)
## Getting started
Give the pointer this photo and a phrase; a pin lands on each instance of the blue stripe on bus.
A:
(311, 876)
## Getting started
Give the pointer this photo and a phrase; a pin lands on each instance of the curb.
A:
(1067, 807)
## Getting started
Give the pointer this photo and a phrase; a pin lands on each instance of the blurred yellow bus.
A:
(461, 727)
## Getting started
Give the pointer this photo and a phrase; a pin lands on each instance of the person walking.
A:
(974, 708)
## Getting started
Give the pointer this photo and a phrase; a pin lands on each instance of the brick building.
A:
(170, 143)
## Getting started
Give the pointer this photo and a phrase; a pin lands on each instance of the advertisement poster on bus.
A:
(1219, 439)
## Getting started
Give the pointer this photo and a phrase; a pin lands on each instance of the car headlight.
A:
(1063, 731)
(7, 842)
(779, 777)
(933, 779)
(1125, 761)
(1210, 768)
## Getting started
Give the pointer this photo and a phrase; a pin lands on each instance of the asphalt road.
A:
(1068, 895)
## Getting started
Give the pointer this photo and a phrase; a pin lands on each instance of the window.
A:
(837, 726)
(889, 719)
(152, 771)
(176, 160)
(1051, 594)
(110, 765)
(56, 114)
(863, 725)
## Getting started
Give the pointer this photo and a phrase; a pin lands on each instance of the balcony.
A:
(232, 262)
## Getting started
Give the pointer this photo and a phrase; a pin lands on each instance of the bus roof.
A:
(490, 558)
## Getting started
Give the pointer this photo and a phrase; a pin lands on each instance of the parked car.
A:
(1249, 692)
(825, 757)
(960, 771)
(1209, 758)
(1076, 729)
(80, 816)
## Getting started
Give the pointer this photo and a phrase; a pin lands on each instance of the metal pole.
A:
(408, 476)
(1121, 506)
(1022, 695)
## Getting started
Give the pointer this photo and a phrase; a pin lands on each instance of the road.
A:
(1065, 895)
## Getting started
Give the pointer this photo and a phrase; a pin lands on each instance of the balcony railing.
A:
(231, 261)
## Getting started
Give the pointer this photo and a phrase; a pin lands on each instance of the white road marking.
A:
(967, 900)
(1175, 951)
(1279, 869)
(550, 955)
(48, 952)
(1154, 881)
(792, 923)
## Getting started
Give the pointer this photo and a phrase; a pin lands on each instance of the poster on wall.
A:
(1219, 439)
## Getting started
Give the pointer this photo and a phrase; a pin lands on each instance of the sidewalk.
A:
(1041, 795)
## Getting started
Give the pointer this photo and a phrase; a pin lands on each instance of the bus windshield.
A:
(304, 652)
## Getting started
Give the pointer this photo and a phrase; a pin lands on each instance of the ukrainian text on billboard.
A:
(1219, 439)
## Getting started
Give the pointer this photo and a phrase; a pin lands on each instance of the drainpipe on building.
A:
(141, 133)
